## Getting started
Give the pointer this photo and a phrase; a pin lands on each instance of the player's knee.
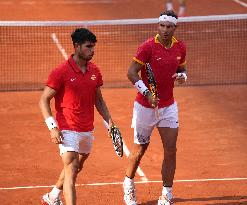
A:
(71, 169)
(135, 157)
(137, 154)
(82, 159)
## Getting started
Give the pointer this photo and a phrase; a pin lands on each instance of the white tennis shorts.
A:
(80, 142)
(144, 120)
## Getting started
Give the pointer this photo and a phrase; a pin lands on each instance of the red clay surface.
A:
(212, 141)
(212, 145)
(114, 9)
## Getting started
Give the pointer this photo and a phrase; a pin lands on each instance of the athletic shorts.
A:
(144, 120)
(80, 142)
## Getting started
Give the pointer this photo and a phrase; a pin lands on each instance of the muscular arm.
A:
(133, 76)
(133, 71)
(44, 104)
(101, 107)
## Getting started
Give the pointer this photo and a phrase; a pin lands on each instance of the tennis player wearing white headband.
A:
(166, 55)
(171, 19)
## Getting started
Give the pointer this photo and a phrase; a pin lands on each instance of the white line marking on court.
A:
(59, 46)
(120, 183)
(240, 2)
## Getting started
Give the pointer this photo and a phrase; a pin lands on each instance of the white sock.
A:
(128, 181)
(166, 190)
(169, 6)
(55, 192)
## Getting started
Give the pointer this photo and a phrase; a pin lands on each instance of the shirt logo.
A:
(158, 59)
(72, 79)
(178, 58)
(93, 77)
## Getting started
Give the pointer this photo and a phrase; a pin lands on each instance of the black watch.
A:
(145, 93)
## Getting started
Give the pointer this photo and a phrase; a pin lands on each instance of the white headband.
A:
(168, 18)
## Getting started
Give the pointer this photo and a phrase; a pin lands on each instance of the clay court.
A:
(212, 153)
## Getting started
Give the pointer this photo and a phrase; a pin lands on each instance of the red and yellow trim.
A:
(156, 40)
(138, 61)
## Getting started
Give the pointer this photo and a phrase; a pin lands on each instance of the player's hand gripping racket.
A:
(116, 137)
(152, 86)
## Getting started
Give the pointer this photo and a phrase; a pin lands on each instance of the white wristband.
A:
(183, 74)
(140, 86)
(50, 122)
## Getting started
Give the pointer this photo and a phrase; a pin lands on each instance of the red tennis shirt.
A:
(75, 98)
(164, 62)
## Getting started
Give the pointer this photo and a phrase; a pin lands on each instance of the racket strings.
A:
(117, 141)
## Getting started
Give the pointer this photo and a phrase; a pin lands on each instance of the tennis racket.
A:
(116, 137)
(152, 85)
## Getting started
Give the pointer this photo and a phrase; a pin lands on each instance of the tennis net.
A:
(216, 49)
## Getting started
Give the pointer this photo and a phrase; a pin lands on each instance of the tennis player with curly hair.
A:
(75, 86)
(166, 56)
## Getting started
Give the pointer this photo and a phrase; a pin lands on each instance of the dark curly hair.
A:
(81, 35)
(169, 13)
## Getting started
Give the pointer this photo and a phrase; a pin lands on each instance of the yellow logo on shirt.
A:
(93, 77)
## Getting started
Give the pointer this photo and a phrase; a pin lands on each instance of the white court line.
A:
(241, 3)
(59, 46)
(125, 148)
(138, 182)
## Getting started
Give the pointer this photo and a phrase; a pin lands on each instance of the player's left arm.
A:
(181, 73)
(102, 107)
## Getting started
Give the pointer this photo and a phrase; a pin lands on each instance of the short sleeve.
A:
(99, 77)
(143, 53)
(183, 54)
(100, 80)
(55, 79)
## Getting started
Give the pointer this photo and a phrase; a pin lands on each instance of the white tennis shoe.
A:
(47, 201)
(129, 194)
(166, 199)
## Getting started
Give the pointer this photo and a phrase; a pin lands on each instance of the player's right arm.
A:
(134, 77)
(44, 104)
(133, 71)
